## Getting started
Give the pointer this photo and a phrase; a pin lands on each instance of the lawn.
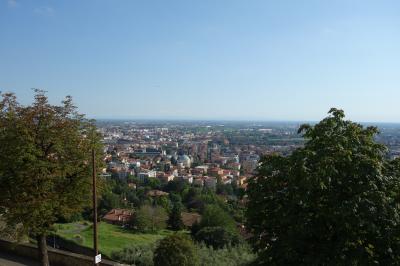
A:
(111, 237)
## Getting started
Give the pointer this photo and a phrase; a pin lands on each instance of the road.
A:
(13, 260)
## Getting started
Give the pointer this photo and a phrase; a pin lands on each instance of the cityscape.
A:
(199, 133)
(199, 152)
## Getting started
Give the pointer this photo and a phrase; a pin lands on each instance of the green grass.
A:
(111, 237)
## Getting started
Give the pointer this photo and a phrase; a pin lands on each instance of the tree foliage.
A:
(239, 255)
(138, 254)
(216, 228)
(334, 201)
(216, 237)
(149, 219)
(175, 217)
(44, 162)
(175, 250)
(215, 216)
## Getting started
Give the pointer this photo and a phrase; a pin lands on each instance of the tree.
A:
(334, 201)
(153, 183)
(109, 201)
(216, 228)
(175, 250)
(175, 217)
(215, 216)
(149, 218)
(217, 237)
(162, 201)
(44, 164)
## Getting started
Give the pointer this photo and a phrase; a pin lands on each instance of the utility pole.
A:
(96, 250)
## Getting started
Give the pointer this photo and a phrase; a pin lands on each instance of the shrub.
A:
(142, 255)
(175, 250)
(217, 237)
(239, 255)
(139, 254)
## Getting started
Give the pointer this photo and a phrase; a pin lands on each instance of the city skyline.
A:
(226, 60)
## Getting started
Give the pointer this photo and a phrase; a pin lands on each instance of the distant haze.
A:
(219, 60)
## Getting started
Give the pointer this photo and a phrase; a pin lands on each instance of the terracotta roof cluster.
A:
(189, 218)
(118, 216)
(156, 193)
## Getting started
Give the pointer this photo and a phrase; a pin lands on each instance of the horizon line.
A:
(175, 119)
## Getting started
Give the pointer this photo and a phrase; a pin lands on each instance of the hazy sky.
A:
(248, 59)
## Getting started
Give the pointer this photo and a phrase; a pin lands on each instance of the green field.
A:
(111, 237)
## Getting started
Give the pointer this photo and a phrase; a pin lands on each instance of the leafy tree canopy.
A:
(217, 237)
(334, 201)
(149, 218)
(175, 250)
(175, 217)
(215, 216)
(45, 169)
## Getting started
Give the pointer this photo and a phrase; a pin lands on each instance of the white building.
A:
(145, 175)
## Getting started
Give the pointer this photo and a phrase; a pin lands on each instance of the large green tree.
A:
(213, 215)
(149, 218)
(44, 163)
(175, 217)
(216, 228)
(175, 250)
(334, 201)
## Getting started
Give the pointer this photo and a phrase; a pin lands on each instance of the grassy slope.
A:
(111, 237)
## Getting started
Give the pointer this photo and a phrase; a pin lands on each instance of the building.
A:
(184, 160)
(118, 216)
(216, 171)
(145, 175)
(187, 178)
(210, 182)
(156, 193)
(189, 218)
(148, 152)
(198, 181)
(202, 169)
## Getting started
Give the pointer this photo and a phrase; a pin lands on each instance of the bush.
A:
(142, 255)
(139, 254)
(175, 250)
(239, 255)
(217, 237)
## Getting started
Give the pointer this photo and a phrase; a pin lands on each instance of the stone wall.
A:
(56, 257)
(68, 245)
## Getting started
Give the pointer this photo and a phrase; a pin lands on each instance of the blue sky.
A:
(200, 59)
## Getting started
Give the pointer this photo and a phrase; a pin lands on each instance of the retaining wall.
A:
(56, 257)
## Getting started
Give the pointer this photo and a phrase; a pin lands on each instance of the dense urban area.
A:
(204, 153)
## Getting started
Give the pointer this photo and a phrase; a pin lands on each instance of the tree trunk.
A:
(42, 248)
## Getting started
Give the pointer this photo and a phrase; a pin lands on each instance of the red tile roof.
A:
(118, 216)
